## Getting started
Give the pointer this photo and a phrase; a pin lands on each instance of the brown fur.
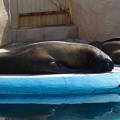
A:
(55, 57)
(110, 47)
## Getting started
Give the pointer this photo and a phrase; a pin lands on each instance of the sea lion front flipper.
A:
(66, 69)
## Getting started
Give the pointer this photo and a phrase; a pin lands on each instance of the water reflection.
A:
(104, 111)
(86, 111)
(26, 112)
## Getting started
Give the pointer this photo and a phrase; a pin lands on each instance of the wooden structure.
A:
(39, 13)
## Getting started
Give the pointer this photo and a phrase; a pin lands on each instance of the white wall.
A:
(9, 32)
(4, 23)
(96, 19)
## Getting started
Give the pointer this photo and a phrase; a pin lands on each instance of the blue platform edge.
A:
(61, 84)
(60, 88)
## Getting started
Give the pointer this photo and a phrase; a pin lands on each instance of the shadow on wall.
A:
(5, 23)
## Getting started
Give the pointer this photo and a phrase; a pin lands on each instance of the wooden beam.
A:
(43, 13)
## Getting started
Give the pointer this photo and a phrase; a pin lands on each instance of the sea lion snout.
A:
(108, 64)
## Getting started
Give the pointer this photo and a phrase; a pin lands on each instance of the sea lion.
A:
(111, 47)
(55, 57)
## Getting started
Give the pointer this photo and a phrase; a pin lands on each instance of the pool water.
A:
(89, 111)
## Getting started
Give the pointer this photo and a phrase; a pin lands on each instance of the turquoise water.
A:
(91, 111)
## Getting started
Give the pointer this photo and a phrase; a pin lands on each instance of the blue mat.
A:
(61, 84)
(60, 88)
(59, 99)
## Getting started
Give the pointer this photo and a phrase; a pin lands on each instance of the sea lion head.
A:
(107, 65)
(101, 62)
(106, 62)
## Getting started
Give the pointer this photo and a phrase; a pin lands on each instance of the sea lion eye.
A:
(108, 64)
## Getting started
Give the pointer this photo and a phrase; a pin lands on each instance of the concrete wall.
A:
(58, 33)
(5, 36)
(9, 32)
(96, 19)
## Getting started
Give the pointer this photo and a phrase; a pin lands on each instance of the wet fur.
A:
(54, 57)
(111, 47)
